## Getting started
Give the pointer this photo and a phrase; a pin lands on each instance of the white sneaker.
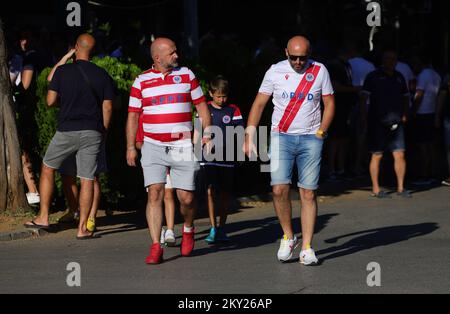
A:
(33, 198)
(287, 248)
(163, 237)
(170, 238)
(308, 257)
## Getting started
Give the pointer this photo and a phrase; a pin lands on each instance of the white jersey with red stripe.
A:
(166, 105)
(297, 96)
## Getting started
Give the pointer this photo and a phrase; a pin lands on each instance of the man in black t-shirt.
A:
(389, 102)
(84, 92)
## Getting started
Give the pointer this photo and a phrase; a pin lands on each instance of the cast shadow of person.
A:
(261, 232)
(370, 239)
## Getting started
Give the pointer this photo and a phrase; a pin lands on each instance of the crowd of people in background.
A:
(384, 105)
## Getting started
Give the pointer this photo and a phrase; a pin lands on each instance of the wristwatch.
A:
(322, 134)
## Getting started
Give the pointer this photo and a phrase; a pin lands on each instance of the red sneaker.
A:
(187, 243)
(156, 255)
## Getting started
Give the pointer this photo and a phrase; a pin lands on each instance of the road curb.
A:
(22, 235)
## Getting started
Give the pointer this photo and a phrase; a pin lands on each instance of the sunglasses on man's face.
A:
(295, 58)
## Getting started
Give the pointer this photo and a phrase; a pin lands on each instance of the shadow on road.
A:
(370, 239)
(261, 232)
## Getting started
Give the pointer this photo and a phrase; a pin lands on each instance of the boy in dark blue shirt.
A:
(219, 173)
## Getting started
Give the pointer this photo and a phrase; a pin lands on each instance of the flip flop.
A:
(404, 194)
(34, 225)
(88, 237)
(381, 195)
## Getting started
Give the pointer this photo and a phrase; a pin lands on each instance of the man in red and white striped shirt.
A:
(164, 95)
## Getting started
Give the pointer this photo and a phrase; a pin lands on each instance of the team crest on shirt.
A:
(226, 119)
(177, 79)
(287, 77)
(310, 77)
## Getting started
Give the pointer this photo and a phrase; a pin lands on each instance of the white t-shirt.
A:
(430, 83)
(360, 69)
(296, 101)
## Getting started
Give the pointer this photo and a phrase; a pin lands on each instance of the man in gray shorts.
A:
(84, 92)
(164, 96)
(68, 173)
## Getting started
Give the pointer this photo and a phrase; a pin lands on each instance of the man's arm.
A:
(27, 76)
(205, 116)
(131, 130)
(405, 108)
(328, 112)
(418, 98)
(61, 62)
(107, 113)
(254, 118)
(52, 98)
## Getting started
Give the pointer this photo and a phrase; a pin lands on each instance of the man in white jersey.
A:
(297, 85)
(164, 95)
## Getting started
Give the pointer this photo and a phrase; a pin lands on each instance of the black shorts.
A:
(217, 177)
(423, 126)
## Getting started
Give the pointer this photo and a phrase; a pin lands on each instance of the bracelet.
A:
(131, 148)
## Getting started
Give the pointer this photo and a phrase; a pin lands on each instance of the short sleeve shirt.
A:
(297, 96)
(387, 95)
(429, 82)
(79, 109)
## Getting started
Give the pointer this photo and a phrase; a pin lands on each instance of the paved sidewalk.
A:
(408, 238)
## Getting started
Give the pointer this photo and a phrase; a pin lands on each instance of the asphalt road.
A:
(408, 239)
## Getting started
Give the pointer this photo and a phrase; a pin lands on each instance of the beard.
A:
(298, 68)
(171, 65)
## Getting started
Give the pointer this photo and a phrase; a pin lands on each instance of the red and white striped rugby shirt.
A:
(166, 104)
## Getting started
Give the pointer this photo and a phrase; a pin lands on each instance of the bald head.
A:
(164, 54)
(297, 51)
(85, 43)
(160, 45)
(299, 45)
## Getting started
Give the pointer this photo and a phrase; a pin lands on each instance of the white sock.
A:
(188, 229)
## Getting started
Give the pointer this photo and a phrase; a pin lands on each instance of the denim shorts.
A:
(303, 150)
(447, 133)
(382, 139)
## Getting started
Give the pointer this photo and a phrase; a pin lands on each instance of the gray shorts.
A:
(84, 144)
(69, 166)
(181, 161)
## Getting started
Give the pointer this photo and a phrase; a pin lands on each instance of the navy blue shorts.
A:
(383, 139)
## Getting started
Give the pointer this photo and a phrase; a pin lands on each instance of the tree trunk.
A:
(12, 192)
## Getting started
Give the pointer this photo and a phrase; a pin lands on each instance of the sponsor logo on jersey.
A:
(301, 96)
